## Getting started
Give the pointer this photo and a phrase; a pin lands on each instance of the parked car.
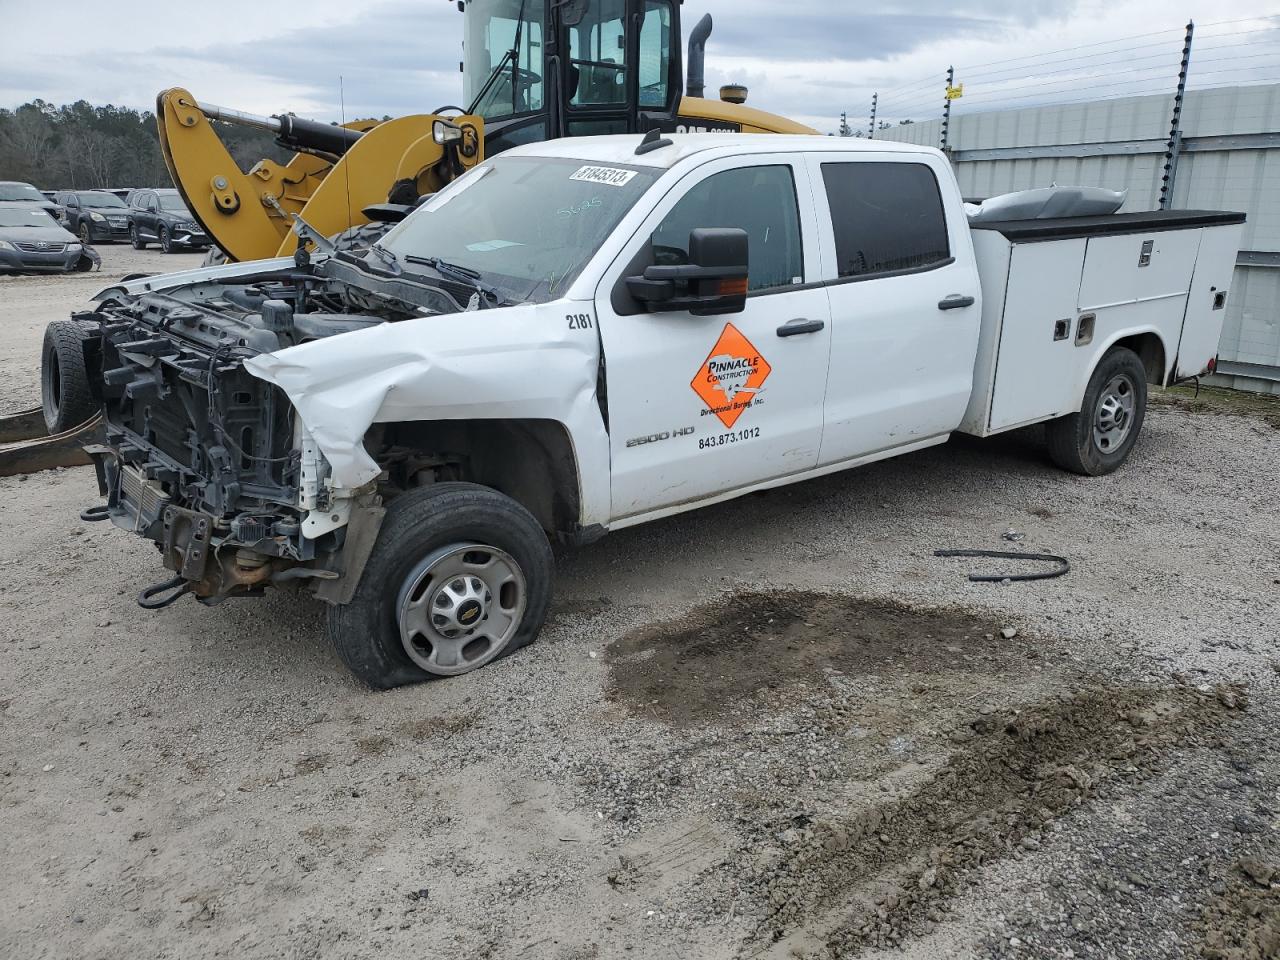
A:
(30, 239)
(403, 433)
(160, 216)
(17, 193)
(95, 215)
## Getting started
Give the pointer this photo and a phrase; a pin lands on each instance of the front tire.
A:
(358, 240)
(65, 393)
(1098, 439)
(135, 239)
(165, 243)
(85, 236)
(460, 576)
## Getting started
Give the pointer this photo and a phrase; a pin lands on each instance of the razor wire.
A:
(1226, 53)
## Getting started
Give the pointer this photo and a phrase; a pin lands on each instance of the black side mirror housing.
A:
(713, 282)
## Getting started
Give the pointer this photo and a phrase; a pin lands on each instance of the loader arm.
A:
(249, 215)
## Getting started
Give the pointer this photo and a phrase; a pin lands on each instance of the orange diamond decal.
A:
(731, 376)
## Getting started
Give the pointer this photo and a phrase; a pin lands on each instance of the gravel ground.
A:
(777, 727)
(29, 301)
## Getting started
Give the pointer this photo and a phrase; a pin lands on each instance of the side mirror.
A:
(713, 282)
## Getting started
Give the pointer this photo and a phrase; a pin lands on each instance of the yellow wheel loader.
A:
(533, 70)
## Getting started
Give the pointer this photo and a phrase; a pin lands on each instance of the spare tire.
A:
(358, 240)
(65, 393)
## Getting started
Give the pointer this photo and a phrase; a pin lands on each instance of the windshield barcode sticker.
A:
(610, 176)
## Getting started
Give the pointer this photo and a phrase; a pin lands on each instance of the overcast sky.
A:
(808, 59)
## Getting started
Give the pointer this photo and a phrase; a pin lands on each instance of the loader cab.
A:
(540, 69)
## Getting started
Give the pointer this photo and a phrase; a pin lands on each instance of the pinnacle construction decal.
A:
(731, 376)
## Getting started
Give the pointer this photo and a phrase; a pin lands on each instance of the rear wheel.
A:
(459, 577)
(135, 238)
(1098, 439)
(64, 377)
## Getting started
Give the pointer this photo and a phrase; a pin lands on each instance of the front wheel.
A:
(165, 243)
(1098, 439)
(460, 576)
(135, 240)
(84, 233)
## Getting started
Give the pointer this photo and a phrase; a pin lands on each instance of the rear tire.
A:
(445, 527)
(1098, 439)
(64, 377)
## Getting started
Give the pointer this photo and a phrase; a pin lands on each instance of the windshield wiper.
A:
(387, 257)
(459, 274)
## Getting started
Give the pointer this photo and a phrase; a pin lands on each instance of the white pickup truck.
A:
(583, 335)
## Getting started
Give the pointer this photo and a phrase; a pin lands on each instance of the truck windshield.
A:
(502, 73)
(527, 225)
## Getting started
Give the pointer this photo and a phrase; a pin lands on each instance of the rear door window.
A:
(887, 217)
(760, 200)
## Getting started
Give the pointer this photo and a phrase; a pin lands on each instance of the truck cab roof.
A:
(621, 148)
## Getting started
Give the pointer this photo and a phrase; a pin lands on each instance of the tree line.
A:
(80, 146)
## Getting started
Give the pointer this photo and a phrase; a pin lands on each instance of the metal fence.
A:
(1209, 139)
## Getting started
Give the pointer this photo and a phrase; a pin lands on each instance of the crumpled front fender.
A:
(510, 363)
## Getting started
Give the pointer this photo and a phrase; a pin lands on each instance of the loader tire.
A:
(460, 576)
(359, 239)
(1098, 439)
(64, 377)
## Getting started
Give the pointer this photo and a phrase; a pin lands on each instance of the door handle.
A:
(955, 302)
(799, 325)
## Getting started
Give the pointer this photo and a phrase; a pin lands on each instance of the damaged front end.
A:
(212, 463)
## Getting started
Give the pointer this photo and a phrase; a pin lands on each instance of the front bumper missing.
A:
(198, 547)
(215, 559)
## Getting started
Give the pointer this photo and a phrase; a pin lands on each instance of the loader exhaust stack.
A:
(696, 84)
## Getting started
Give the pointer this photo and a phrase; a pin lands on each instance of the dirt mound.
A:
(1244, 923)
(877, 875)
(692, 670)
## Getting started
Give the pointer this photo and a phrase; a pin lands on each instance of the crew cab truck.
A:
(582, 335)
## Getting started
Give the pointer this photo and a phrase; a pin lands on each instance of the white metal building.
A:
(1229, 159)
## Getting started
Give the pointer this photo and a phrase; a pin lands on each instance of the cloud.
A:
(808, 59)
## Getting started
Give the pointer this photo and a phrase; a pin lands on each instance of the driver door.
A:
(701, 406)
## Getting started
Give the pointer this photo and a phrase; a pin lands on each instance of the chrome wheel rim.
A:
(1113, 414)
(460, 607)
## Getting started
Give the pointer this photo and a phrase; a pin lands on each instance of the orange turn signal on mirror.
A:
(733, 288)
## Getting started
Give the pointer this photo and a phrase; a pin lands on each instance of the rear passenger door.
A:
(705, 405)
(904, 296)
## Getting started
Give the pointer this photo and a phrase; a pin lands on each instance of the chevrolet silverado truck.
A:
(583, 335)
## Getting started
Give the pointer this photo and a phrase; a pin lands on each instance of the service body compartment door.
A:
(704, 405)
(1035, 370)
(1207, 301)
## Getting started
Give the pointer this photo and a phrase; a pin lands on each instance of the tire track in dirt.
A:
(872, 878)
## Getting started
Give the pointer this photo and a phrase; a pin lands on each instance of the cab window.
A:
(760, 200)
(597, 56)
(887, 217)
(655, 53)
(501, 78)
